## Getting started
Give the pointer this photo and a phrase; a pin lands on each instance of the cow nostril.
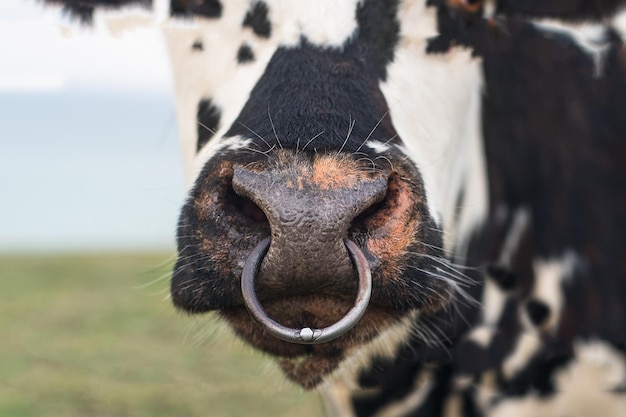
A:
(251, 210)
(247, 208)
(388, 217)
(371, 214)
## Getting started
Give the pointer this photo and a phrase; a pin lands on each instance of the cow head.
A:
(335, 142)
(322, 137)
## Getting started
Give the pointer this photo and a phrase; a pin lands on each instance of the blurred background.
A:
(89, 157)
(91, 182)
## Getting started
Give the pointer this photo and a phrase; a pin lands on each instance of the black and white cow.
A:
(458, 165)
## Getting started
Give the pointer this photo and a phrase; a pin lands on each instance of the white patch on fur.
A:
(161, 10)
(520, 222)
(550, 275)
(482, 335)
(377, 146)
(322, 22)
(124, 20)
(434, 102)
(421, 387)
(337, 399)
(463, 382)
(619, 23)
(526, 347)
(489, 8)
(590, 37)
(453, 406)
(213, 147)
(606, 358)
(213, 73)
(493, 302)
(487, 390)
(583, 388)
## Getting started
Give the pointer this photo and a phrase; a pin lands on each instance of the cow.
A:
(415, 207)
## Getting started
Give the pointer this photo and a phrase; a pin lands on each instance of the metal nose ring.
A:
(306, 335)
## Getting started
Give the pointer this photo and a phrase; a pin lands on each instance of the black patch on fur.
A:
(245, 54)
(503, 277)
(390, 380)
(393, 386)
(455, 27)
(468, 404)
(556, 147)
(208, 120)
(257, 20)
(458, 27)
(544, 378)
(82, 10)
(578, 10)
(197, 46)
(538, 311)
(308, 90)
(538, 375)
(188, 8)
(379, 31)
(435, 400)
(471, 358)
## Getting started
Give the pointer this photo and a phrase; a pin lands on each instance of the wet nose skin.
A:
(309, 216)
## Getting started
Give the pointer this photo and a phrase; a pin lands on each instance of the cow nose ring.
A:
(306, 335)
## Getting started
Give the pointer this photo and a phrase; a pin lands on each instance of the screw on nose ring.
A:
(306, 335)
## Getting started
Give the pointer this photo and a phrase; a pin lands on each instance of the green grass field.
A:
(97, 336)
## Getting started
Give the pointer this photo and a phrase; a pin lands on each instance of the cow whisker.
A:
(431, 334)
(453, 268)
(390, 139)
(371, 161)
(203, 329)
(372, 131)
(352, 123)
(312, 139)
(454, 287)
(386, 159)
(256, 134)
(365, 157)
(159, 279)
(264, 153)
(445, 251)
(212, 131)
(269, 115)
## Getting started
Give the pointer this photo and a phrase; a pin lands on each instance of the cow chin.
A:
(308, 365)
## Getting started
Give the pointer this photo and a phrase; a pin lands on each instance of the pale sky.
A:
(89, 156)
(43, 50)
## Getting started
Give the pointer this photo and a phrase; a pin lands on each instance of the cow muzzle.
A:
(310, 211)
